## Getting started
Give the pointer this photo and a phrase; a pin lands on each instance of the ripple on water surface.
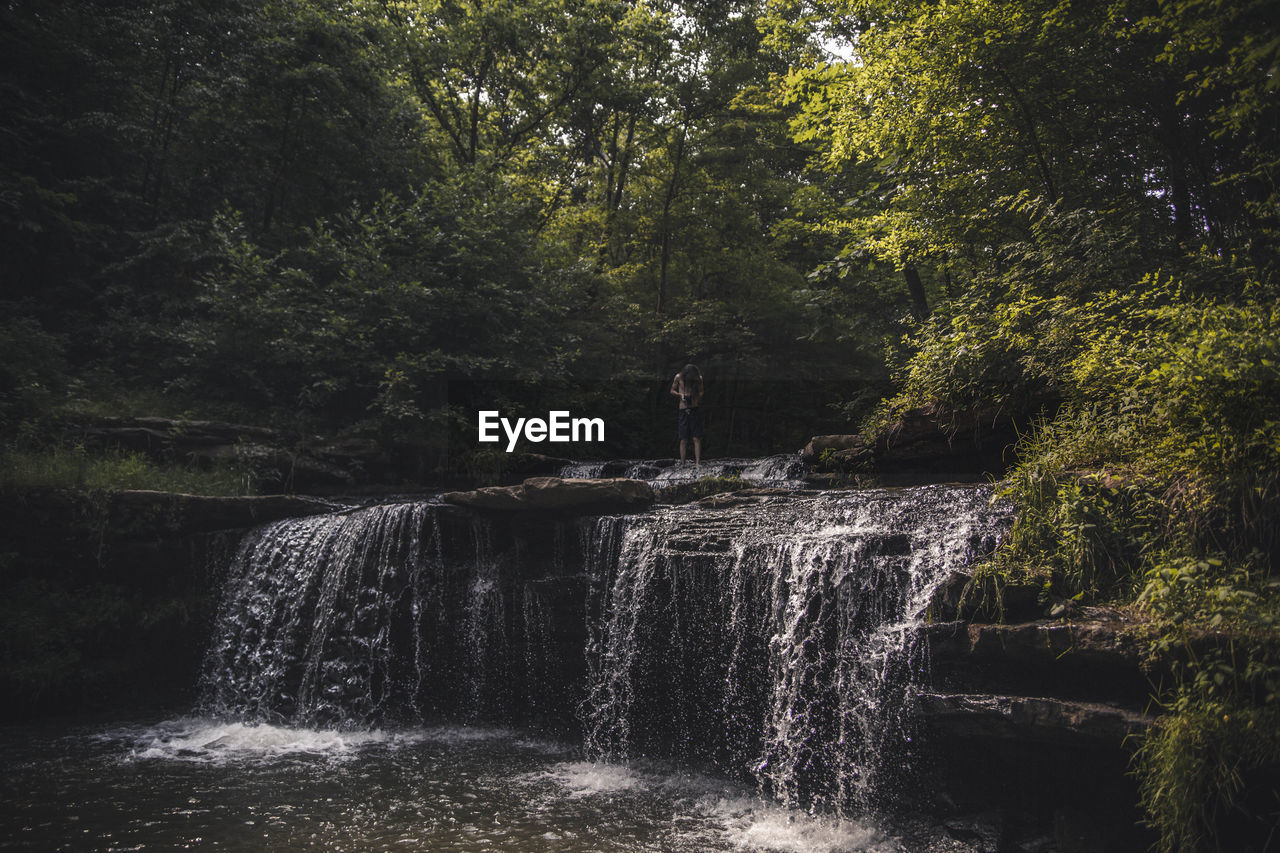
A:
(201, 783)
(712, 810)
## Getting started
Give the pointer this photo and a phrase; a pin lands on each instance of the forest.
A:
(372, 218)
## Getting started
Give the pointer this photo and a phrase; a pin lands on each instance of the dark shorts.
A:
(690, 425)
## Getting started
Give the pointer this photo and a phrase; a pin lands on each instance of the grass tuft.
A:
(74, 467)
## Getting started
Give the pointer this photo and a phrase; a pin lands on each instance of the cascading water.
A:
(782, 471)
(380, 614)
(772, 638)
(775, 639)
(582, 470)
(310, 611)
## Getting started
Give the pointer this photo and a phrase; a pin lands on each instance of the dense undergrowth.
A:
(1155, 487)
(74, 467)
(43, 443)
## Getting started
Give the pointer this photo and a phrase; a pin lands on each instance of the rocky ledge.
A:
(554, 494)
(142, 514)
(1020, 717)
(1098, 658)
(1097, 640)
(188, 514)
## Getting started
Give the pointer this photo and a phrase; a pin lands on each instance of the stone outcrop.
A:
(925, 445)
(553, 494)
(1040, 719)
(1096, 641)
(1098, 658)
(144, 514)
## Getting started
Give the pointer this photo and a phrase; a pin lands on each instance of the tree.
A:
(968, 110)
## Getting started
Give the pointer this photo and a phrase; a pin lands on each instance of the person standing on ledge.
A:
(687, 385)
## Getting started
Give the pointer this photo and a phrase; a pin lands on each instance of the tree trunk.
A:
(915, 287)
(665, 236)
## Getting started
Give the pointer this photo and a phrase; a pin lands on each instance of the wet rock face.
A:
(553, 494)
(400, 613)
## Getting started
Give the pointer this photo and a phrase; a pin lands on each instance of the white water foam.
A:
(214, 741)
(765, 828)
(589, 778)
(743, 820)
(197, 739)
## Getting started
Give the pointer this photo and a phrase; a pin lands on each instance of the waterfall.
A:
(776, 640)
(773, 638)
(309, 613)
(393, 613)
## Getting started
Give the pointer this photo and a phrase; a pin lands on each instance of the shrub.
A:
(1156, 486)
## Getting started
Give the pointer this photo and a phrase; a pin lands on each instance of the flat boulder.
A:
(490, 497)
(556, 494)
